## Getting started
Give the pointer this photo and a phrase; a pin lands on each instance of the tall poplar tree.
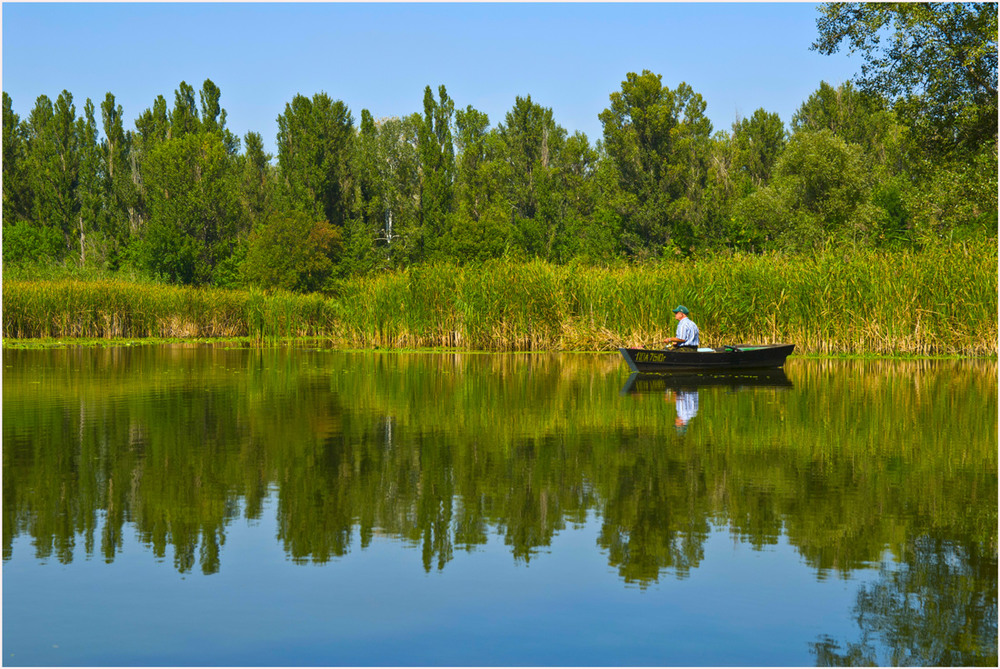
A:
(437, 160)
(191, 182)
(92, 209)
(399, 167)
(184, 116)
(25, 239)
(533, 145)
(315, 147)
(152, 128)
(119, 188)
(482, 226)
(366, 229)
(53, 168)
(16, 196)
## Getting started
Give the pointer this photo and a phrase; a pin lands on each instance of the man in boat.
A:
(687, 331)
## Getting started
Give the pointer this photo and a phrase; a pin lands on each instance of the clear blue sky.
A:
(380, 56)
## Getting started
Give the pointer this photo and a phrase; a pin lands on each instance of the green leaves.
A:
(760, 139)
(817, 188)
(937, 62)
(659, 142)
(194, 212)
(315, 144)
(437, 157)
(16, 193)
(907, 166)
(292, 252)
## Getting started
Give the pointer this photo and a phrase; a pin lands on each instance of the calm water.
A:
(186, 505)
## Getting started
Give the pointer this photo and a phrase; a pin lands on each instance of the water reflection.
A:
(686, 402)
(444, 451)
(934, 607)
(734, 380)
(681, 388)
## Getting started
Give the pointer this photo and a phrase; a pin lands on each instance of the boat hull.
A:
(729, 357)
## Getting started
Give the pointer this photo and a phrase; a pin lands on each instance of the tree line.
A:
(904, 156)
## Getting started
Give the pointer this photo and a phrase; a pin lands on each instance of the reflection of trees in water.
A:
(937, 607)
(443, 450)
(654, 511)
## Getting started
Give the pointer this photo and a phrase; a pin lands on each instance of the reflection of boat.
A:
(658, 383)
(727, 357)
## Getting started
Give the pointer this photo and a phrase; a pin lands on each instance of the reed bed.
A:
(112, 309)
(937, 301)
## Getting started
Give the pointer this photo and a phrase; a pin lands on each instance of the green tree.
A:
(659, 140)
(368, 227)
(951, 201)
(16, 197)
(533, 145)
(53, 172)
(818, 193)
(184, 116)
(399, 168)
(437, 182)
(292, 252)
(760, 139)
(577, 166)
(257, 180)
(186, 208)
(937, 62)
(858, 118)
(194, 212)
(386, 165)
(213, 116)
(153, 125)
(119, 187)
(863, 120)
(92, 214)
(255, 183)
(152, 129)
(482, 226)
(315, 149)
(24, 239)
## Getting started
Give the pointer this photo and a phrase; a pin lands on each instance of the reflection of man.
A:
(686, 402)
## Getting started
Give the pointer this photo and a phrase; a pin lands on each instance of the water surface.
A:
(196, 505)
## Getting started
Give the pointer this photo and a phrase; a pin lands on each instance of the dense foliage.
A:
(904, 158)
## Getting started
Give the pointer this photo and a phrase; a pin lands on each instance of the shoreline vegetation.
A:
(865, 225)
(938, 301)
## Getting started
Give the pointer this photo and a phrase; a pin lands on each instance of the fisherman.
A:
(687, 331)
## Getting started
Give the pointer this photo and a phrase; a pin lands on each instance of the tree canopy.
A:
(936, 62)
(904, 156)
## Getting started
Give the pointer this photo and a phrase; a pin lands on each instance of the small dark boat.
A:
(639, 383)
(727, 357)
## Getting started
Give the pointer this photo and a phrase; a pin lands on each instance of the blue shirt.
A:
(688, 331)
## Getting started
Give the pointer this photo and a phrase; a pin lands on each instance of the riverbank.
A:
(941, 301)
(326, 344)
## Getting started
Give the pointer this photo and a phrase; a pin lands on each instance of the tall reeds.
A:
(939, 300)
(115, 309)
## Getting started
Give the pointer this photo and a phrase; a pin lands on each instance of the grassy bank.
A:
(942, 300)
